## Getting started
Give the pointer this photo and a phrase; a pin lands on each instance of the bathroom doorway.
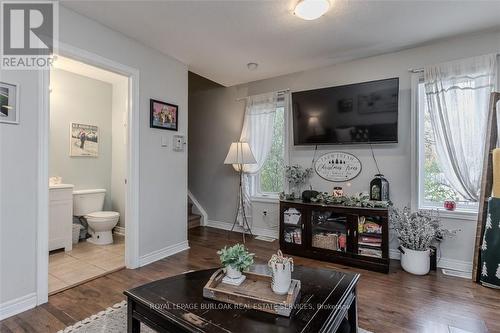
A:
(88, 160)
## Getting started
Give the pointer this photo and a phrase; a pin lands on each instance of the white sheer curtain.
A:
(458, 95)
(258, 127)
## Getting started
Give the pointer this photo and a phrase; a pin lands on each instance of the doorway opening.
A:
(88, 159)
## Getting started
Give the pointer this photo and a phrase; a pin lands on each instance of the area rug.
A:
(113, 320)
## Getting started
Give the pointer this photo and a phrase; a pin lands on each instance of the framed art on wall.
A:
(83, 140)
(9, 103)
(164, 115)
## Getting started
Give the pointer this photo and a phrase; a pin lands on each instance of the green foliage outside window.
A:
(272, 173)
(436, 188)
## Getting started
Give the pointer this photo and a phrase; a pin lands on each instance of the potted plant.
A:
(416, 231)
(235, 259)
(296, 176)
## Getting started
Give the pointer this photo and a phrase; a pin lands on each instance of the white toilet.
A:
(89, 204)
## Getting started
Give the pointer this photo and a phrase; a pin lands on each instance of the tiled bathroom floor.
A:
(85, 262)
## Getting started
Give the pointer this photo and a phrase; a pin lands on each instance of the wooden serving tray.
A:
(254, 293)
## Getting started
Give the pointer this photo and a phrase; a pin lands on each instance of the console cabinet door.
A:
(331, 231)
(293, 227)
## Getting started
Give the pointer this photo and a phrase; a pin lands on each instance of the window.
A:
(270, 180)
(433, 187)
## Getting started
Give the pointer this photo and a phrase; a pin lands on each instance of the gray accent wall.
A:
(80, 99)
(216, 121)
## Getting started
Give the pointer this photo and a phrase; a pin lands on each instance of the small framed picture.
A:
(9, 103)
(83, 140)
(164, 115)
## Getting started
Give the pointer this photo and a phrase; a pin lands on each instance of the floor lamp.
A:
(239, 155)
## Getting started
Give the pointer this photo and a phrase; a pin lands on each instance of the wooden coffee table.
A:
(176, 304)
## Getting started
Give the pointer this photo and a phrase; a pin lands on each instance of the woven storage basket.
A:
(325, 241)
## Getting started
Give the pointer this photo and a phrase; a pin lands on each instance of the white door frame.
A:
(132, 188)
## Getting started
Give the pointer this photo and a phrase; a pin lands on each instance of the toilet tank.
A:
(88, 201)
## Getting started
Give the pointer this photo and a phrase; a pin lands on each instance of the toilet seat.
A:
(102, 216)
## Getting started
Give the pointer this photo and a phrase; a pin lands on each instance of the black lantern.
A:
(379, 188)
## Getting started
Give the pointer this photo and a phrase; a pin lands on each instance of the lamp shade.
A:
(240, 153)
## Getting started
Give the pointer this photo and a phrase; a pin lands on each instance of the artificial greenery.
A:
(358, 200)
(236, 256)
(297, 175)
(417, 230)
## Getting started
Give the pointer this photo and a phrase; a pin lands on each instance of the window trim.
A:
(417, 171)
(256, 194)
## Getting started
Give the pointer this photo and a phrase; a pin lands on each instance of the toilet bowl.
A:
(88, 204)
(100, 226)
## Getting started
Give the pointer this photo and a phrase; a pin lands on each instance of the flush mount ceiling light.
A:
(252, 66)
(311, 9)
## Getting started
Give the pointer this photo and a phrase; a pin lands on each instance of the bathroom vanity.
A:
(60, 217)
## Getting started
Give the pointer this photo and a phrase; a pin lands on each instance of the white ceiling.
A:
(216, 39)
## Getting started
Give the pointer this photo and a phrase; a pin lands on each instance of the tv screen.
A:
(352, 114)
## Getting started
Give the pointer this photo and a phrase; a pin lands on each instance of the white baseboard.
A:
(18, 305)
(258, 231)
(456, 265)
(163, 253)
(119, 230)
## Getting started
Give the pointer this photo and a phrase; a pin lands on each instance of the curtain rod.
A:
(277, 92)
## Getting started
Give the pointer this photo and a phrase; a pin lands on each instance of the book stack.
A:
(369, 238)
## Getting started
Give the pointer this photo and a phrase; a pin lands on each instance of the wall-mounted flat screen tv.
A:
(352, 114)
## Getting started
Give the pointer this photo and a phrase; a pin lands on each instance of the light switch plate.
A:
(164, 141)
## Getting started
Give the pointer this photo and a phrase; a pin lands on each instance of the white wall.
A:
(80, 99)
(18, 197)
(394, 159)
(162, 174)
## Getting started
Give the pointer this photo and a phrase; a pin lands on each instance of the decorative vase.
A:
(415, 262)
(450, 205)
(232, 272)
(282, 278)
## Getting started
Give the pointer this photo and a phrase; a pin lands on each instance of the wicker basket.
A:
(325, 241)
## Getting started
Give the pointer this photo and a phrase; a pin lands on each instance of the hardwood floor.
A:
(394, 302)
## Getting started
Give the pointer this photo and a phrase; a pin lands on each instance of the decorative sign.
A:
(338, 166)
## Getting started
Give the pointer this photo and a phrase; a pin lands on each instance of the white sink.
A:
(57, 186)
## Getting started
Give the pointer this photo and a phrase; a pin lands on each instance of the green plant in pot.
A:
(235, 260)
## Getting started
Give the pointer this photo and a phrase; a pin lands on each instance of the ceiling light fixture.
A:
(252, 66)
(311, 9)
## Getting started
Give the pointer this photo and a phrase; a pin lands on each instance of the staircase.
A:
(194, 220)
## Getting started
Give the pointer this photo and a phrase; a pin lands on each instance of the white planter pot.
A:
(416, 262)
(282, 277)
(233, 273)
